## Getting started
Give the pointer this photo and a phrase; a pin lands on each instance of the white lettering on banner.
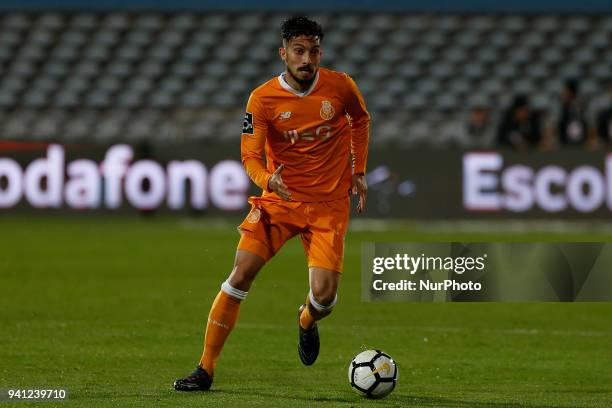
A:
(114, 168)
(478, 177)
(593, 197)
(228, 183)
(515, 182)
(549, 177)
(12, 174)
(153, 195)
(551, 188)
(609, 179)
(178, 174)
(83, 188)
(146, 183)
(50, 169)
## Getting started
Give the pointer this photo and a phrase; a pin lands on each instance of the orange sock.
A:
(307, 320)
(311, 314)
(221, 320)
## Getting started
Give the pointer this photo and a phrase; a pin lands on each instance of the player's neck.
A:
(298, 86)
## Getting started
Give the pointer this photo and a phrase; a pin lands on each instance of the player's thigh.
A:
(266, 228)
(323, 241)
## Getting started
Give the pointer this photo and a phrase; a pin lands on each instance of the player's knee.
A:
(323, 298)
(323, 292)
(246, 267)
(242, 277)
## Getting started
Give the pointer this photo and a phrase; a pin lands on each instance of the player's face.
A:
(302, 56)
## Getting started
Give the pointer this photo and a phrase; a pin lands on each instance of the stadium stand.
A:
(74, 76)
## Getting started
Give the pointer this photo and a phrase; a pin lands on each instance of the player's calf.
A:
(308, 339)
(221, 320)
(308, 336)
(318, 307)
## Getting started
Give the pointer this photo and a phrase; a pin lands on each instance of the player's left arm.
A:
(360, 136)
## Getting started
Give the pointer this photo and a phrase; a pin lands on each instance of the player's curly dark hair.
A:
(300, 25)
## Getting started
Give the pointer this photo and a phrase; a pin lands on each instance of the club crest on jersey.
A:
(247, 123)
(254, 216)
(327, 110)
(285, 115)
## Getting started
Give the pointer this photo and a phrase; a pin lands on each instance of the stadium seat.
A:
(18, 21)
(67, 99)
(85, 21)
(130, 99)
(547, 24)
(7, 98)
(17, 125)
(479, 23)
(411, 68)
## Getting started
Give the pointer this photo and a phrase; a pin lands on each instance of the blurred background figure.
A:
(474, 129)
(600, 115)
(520, 126)
(568, 120)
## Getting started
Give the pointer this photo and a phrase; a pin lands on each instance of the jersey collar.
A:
(284, 84)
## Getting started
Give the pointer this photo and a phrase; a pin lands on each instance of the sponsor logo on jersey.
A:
(322, 133)
(247, 123)
(327, 110)
(285, 115)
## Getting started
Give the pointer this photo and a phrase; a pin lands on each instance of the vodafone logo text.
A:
(50, 182)
(489, 186)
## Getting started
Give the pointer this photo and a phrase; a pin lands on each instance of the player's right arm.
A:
(253, 141)
(252, 144)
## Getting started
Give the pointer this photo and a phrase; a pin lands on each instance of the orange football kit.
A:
(321, 137)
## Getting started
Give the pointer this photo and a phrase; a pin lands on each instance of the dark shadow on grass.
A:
(350, 399)
(445, 402)
(394, 400)
(273, 396)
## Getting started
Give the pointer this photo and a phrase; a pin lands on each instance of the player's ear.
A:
(283, 53)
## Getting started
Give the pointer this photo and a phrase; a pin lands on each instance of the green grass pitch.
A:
(113, 309)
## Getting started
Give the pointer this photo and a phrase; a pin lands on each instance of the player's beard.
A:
(303, 82)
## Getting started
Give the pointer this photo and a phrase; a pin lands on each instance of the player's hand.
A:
(276, 184)
(360, 187)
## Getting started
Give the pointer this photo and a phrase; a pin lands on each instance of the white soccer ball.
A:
(373, 373)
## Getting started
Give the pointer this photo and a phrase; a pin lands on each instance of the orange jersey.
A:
(319, 135)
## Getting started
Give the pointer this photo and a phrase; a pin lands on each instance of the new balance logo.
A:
(285, 115)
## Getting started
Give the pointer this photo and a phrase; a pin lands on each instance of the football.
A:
(373, 374)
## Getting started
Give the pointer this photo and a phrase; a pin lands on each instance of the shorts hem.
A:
(257, 247)
(328, 267)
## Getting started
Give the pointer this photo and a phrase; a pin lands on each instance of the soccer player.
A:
(313, 126)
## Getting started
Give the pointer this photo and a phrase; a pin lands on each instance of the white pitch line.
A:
(216, 224)
(432, 227)
(434, 329)
(476, 226)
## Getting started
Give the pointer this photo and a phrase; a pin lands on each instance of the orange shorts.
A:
(321, 225)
